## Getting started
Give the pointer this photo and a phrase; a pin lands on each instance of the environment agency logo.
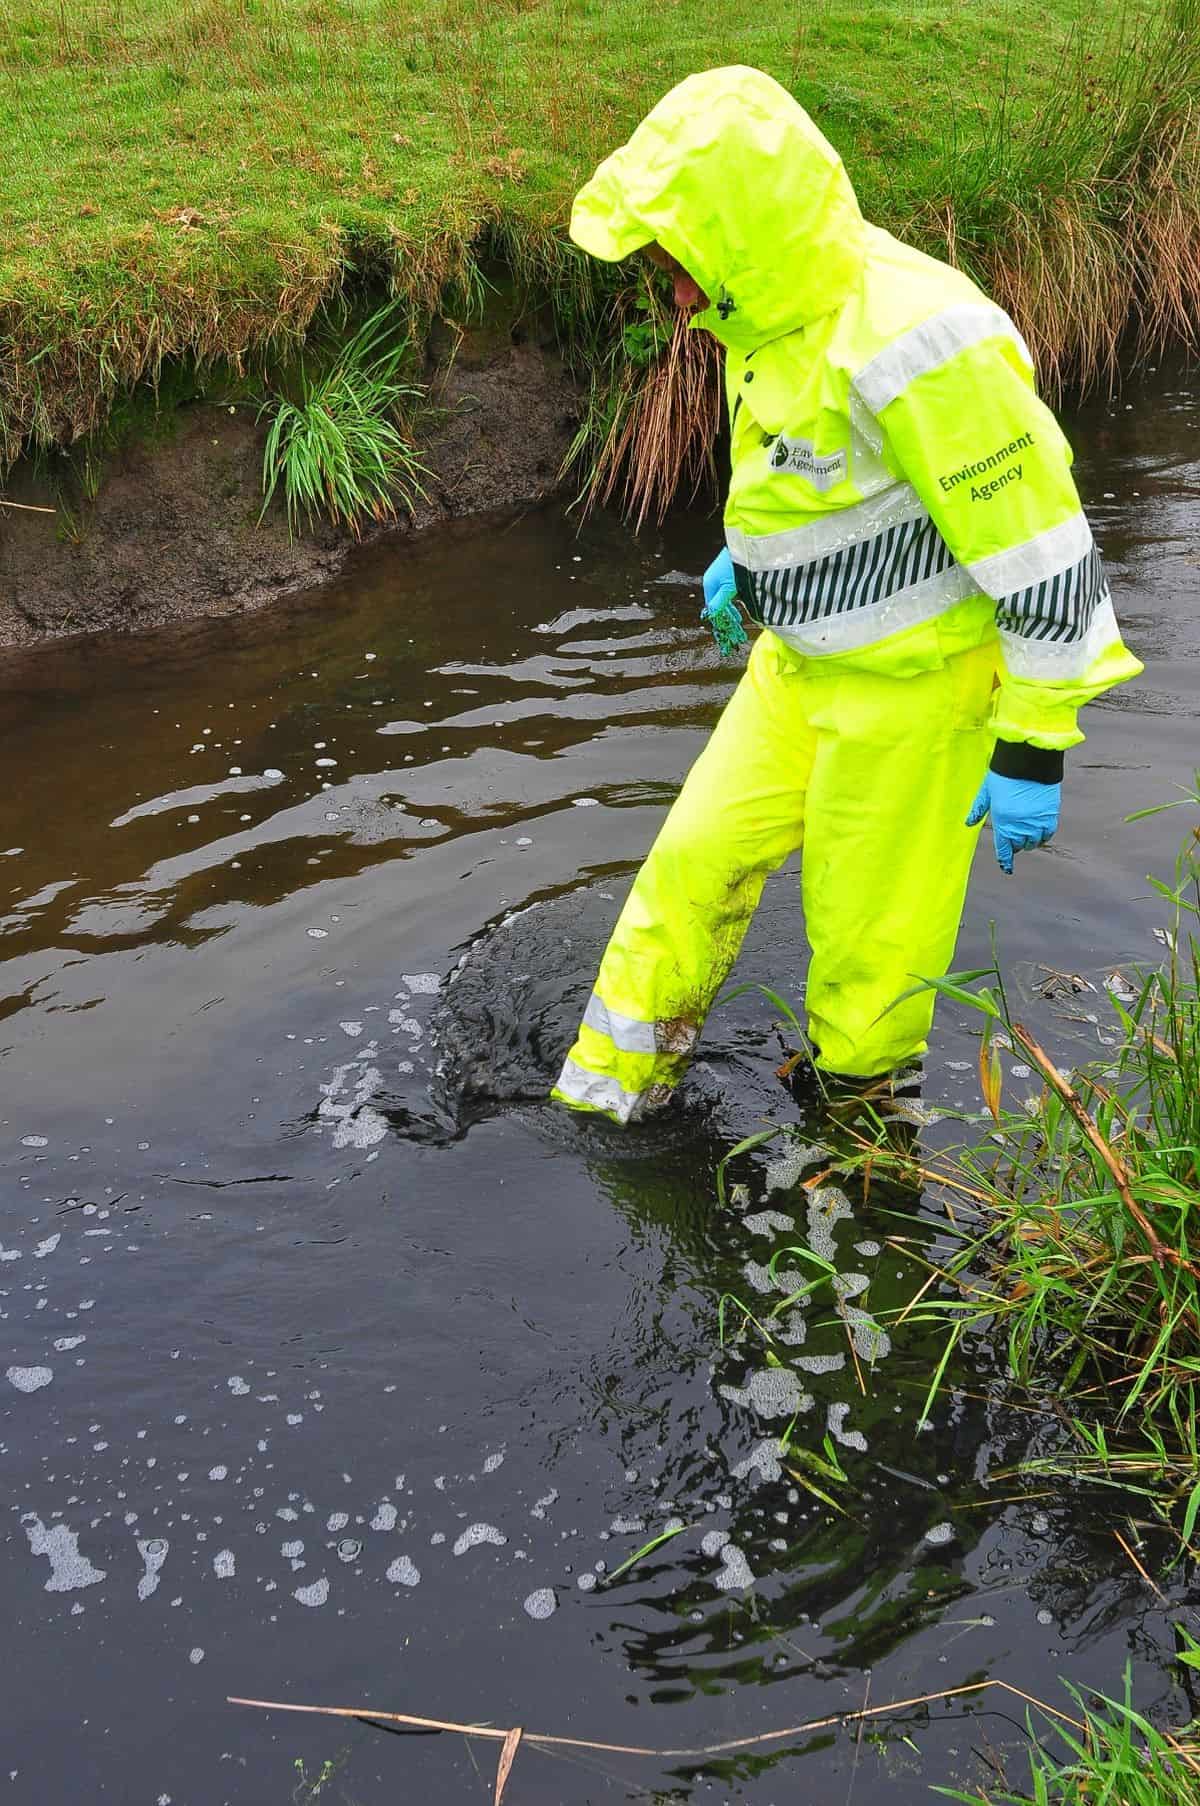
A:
(800, 456)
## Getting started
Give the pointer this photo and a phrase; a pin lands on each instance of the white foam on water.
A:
(758, 1276)
(218, 1473)
(385, 1517)
(292, 1551)
(475, 1534)
(34, 1141)
(224, 1564)
(544, 1503)
(849, 1439)
(940, 1534)
(771, 1392)
(769, 1222)
(345, 1101)
(763, 1459)
(353, 1029)
(422, 984)
(153, 1551)
(195, 1656)
(871, 1343)
(68, 1568)
(783, 1173)
(313, 1595)
(827, 1206)
(821, 1363)
(492, 1462)
(794, 1332)
(64, 1344)
(237, 1385)
(713, 1541)
(337, 1520)
(735, 1571)
(404, 1572)
(868, 1250)
(543, 1603)
(850, 1285)
(29, 1379)
(627, 1526)
(51, 1243)
(586, 1582)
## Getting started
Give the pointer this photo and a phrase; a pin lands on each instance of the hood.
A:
(731, 176)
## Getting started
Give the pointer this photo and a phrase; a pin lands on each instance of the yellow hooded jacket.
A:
(898, 491)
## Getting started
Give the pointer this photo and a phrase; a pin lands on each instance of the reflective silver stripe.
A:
(842, 527)
(1035, 560)
(625, 1032)
(927, 346)
(598, 1092)
(863, 626)
(1058, 661)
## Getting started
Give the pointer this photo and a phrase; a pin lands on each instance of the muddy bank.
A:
(173, 531)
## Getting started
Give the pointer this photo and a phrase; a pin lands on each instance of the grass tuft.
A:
(1076, 1228)
(338, 449)
(1111, 1754)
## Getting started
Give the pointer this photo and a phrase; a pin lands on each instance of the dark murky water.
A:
(323, 1369)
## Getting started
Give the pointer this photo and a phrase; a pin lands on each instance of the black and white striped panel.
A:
(857, 576)
(1058, 608)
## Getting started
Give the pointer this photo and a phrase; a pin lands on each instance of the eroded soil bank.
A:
(174, 530)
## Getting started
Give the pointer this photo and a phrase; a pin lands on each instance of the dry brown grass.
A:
(660, 446)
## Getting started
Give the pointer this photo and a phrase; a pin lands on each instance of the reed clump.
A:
(1075, 1227)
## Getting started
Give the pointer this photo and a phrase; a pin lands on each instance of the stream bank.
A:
(173, 531)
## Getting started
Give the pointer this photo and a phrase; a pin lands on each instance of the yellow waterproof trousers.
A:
(873, 776)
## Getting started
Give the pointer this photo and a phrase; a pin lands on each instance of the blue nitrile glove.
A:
(720, 612)
(1024, 814)
(719, 575)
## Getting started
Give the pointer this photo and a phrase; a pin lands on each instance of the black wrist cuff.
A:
(1017, 759)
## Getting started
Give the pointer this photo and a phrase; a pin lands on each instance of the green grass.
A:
(338, 447)
(197, 178)
(1074, 1227)
(1108, 1755)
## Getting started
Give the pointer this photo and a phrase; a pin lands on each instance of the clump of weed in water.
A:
(1078, 1226)
(1110, 1753)
(338, 449)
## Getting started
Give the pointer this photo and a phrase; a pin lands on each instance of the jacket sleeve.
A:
(962, 423)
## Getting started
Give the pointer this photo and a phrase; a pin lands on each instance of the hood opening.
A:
(730, 175)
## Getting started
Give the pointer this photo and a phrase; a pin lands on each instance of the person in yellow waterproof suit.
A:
(903, 525)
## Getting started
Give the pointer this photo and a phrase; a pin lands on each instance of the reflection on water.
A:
(347, 1333)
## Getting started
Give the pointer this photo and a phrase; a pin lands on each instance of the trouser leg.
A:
(739, 815)
(886, 855)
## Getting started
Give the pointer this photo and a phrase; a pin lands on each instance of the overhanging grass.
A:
(194, 177)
